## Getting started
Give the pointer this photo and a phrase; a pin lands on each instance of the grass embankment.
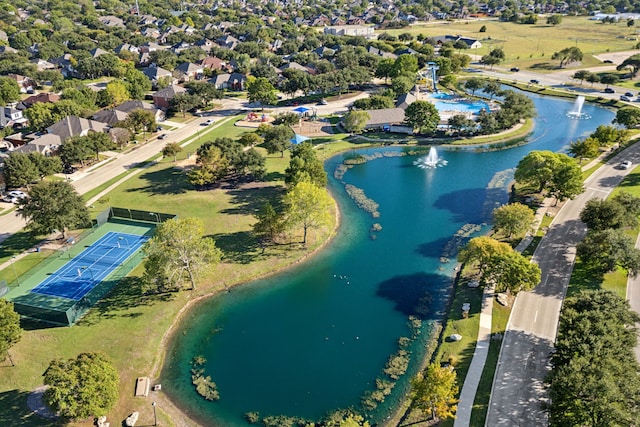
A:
(531, 46)
(616, 281)
(127, 325)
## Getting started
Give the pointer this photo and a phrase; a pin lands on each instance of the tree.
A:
(171, 150)
(250, 139)
(592, 78)
(261, 90)
(40, 115)
(97, 142)
(402, 84)
(494, 57)
(588, 147)
(141, 120)
(493, 89)
(513, 219)
(460, 123)
(75, 150)
(251, 162)
(435, 391)
(554, 19)
(277, 139)
(628, 117)
(118, 92)
(581, 75)
(10, 330)
(568, 55)
(609, 79)
(307, 207)
(81, 387)
(9, 90)
(137, 83)
(480, 251)
(594, 376)
(270, 222)
(422, 115)
(19, 170)
(406, 65)
(305, 166)
(386, 68)
(567, 179)
(183, 102)
(620, 211)
(178, 254)
(537, 168)
(204, 92)
(473, 84)
(355, 121)
(604, 250)
(632, 62)
(511, 271)
(53, 205)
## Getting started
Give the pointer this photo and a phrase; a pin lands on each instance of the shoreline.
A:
(168, 336)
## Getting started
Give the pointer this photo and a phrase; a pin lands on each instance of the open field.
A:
(531, 46)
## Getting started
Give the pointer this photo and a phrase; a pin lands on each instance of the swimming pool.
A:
(446, 102)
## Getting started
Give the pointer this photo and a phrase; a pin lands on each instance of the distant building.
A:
(350, 30)
(387, 119)
(162, 98)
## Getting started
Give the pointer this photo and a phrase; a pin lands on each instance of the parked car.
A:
(609, 90)
(625, 98)
(323, 102)
(534, 81)
(608, 61)
(515, 69)
(163, 136)
(17, 194)
(629, 94)
(207, 123)
(625, 165)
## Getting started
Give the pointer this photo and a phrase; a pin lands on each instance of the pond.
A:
(317, 337)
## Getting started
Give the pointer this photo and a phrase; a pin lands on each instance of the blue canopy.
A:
(298, 139)
(301, 110)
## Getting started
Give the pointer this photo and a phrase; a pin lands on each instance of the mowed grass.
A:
(531, 46)
(128, 325)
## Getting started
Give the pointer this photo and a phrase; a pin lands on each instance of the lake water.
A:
(316, 337)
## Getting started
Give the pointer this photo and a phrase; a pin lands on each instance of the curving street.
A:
(518, 393)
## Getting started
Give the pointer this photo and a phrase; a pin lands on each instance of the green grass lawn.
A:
(531, 46)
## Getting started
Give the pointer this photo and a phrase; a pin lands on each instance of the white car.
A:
(17, 194)
(625, 165)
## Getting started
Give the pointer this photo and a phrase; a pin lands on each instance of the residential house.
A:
(227, 42)
(233, 81)
(111, 21)
(47, 144)
(126, 47)
(26, 84)
(7, 49)
(204, 44)
(76, 126)
(188, 71)
(162, 98)
(134, 104)
(213, 63)
(10, 116)
(295, 66)
(386, 55)
(64, 64)
(155, 73)
(110, 117)
(42, 65)
(406, 99)
(95, 52)
(41, 97)
(470, 42)
(149, 47)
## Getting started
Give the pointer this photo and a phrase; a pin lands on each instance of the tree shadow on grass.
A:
(250, 200)
(126, 295)
(163, 181)
(15, 413)
(17, 243)
(632, 180)
(544, 66)
(241, 247)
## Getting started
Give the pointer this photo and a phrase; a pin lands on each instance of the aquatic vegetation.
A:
(204, 386)
(361, 199)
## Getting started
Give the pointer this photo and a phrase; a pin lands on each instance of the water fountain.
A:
(431, 161)
(576, 112)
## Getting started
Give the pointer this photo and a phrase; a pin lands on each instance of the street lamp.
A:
(155, 419)
(13, 260)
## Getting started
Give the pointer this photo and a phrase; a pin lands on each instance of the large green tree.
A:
(270, 222)
(277, 139)
(53, 205)
(435, 391)
(620, 211)
(423, 116)
(595, 377)
(628, 117)
(512, 271)
(514, 219)
(305, 166)
(10, 331)
(19, 170)
(556, 172)
(307, 206)
(82, 387)
(605, 250)
(568, 55)
(9, 90)
(261, 90)
(178, 254)
(480, 250)
(355, 121)
(632, 62)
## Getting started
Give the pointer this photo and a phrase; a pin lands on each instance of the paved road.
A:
(518, 393)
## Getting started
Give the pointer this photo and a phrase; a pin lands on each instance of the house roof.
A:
(155, 73)
(169, 92)
(41, 97)
(74, 126)
(385, 116)
(405, 100)
(134, 104)
(110, 117)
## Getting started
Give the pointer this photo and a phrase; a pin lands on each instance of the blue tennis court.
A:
(82, 273)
